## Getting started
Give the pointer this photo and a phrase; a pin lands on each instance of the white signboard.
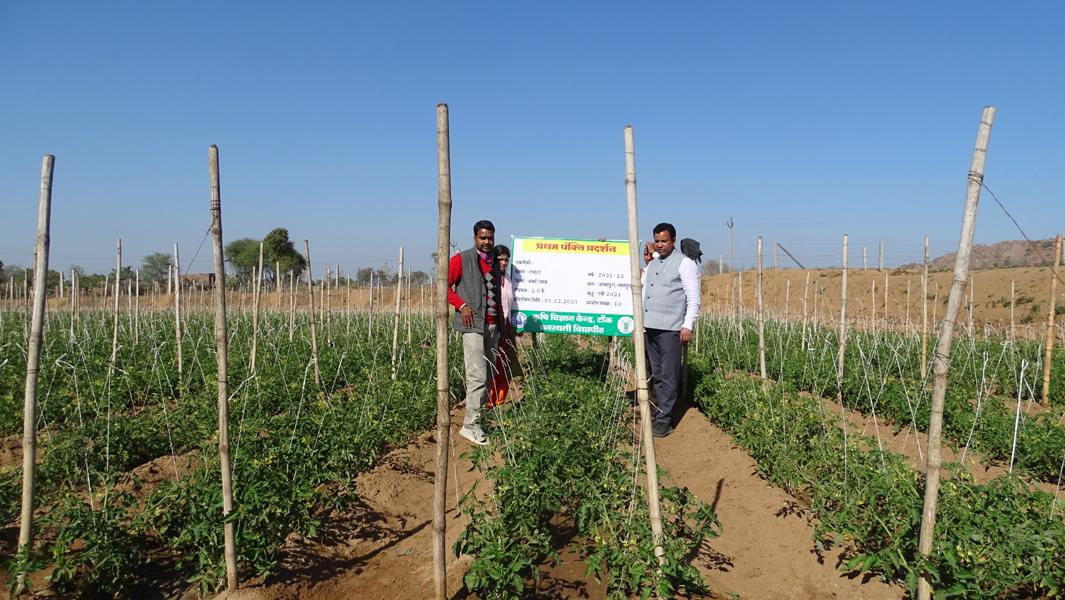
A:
(572, 286)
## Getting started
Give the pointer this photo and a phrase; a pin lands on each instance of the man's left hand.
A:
(685, 335)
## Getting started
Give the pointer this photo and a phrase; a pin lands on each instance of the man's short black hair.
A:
(502, 250)
(666, 227)
(483, 224)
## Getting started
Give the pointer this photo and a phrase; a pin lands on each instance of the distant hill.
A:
(1011, 253)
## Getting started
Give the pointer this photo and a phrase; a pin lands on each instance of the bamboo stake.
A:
(277, 286)
(787, 299)
(221, 342)
(882, 256)
(969, 322)
(805, 290)
(369, 322)
(640, 357)
(942, 355)
(255, 311)
(935, 305)
(1048, 353)
(842, 326)
(395, 319)
(924, 314)
(73, 299)
(761, 320)
(177, 311)
(865, 258)
(887, 297)
(409, 332)
(443, 401)
(33, 362)
(742, 308)
(872, 297)
(291, 304)
(137, 309)
(310, 312)
(114, 314)
(1013, 304)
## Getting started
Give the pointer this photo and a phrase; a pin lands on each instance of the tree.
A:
(243, 254)
(155, 267)
(278, 250)
(419, 278)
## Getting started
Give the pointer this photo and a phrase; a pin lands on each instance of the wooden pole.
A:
(137, 308)
(1048, 352)
(805, 290)
(409, 332)
(742, 308)
(177, 312)
(872, 302)
(221, 343)
(935, 305)
(635, 260)
(787, 299)
(440, 313)
(395, 316)
(924, 314)
(969, 321)
(887, 298)
(255, 311)
(941, 359)
(761, 320)
(310, 313)
(277, 286)
(369, 321)
(114, 313)
(865, 258)
(291, 304)
(33, 362)
(73, 299)
(842, 326)
(907, 328)
(1013, 304)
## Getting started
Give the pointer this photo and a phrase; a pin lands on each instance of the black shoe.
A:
(661, 430)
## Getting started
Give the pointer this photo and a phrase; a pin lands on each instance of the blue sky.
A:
(802, 121)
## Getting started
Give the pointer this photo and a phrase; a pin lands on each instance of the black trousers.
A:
(664, 357)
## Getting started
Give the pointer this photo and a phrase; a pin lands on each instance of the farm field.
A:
(895, 309)
(766, 493)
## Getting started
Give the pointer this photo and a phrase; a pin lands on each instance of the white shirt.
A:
(689, 280)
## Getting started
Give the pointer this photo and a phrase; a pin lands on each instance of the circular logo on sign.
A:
(626, 325)
(519, 320)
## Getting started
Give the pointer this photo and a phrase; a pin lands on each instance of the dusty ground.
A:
(991, 296)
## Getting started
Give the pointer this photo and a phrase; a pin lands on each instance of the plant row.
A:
(296, 447)
(995, 540)
(563, 473)
(882, 376)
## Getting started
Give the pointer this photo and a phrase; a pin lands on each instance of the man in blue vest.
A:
(474, 292)
(670, 305)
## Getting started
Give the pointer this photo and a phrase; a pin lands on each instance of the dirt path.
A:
(766, 548)
(381, 547)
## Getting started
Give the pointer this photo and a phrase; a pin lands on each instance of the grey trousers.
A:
(664, 357)
(479, 352)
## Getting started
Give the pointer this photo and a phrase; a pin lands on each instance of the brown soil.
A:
(766, 549)
(382, 547)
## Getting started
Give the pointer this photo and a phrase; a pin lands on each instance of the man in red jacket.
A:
(474, 292)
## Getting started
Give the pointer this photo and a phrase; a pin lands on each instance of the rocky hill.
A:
(1011, 253)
